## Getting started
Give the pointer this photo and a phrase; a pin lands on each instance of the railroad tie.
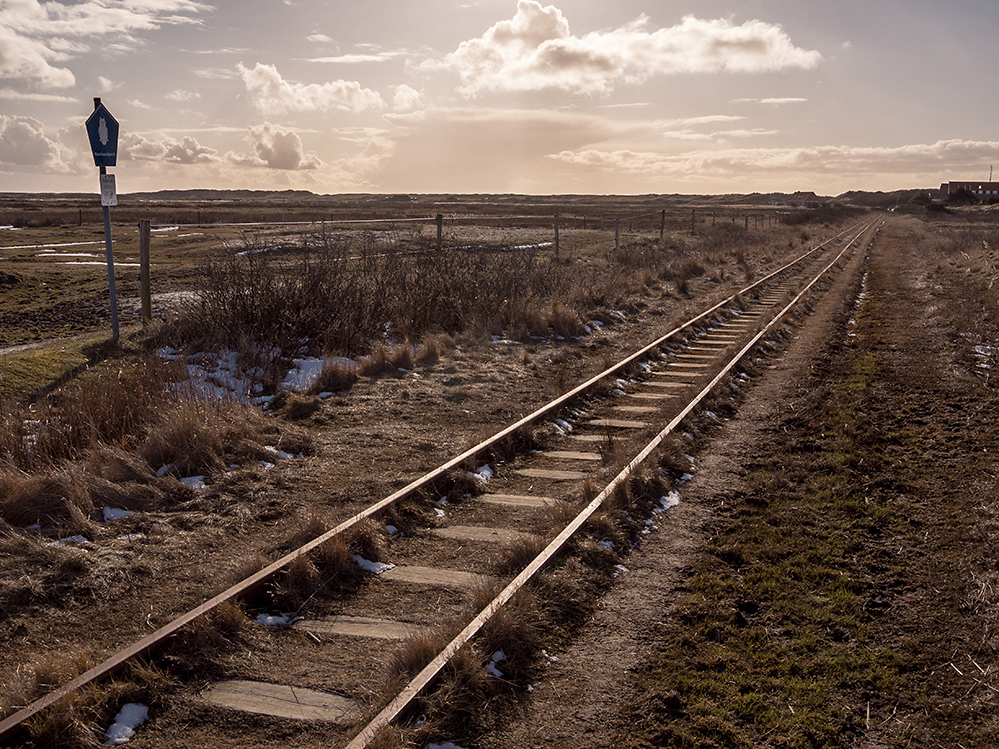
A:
(283, 701)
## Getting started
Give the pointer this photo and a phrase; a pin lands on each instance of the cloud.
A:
(406, 98)
(359, 57)
(278, 149)
(849, 162)
(181, 95)
(11, 95)
(272, 94)
(35, 36)
(320, 38)
(777, 100)
(187, 150)
(535, 50)
(23, 143)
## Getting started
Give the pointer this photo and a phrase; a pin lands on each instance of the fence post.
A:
(617, 234)
(556, 233)
(144, 285)
(662, 225)
(440, 232)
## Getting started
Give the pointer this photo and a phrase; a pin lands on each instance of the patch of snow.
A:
(685, 478)
(620, 569)
(164, 470)
(131, 537)
(195, 482)
(562, 426)
(606, 544)
(439, 511)
(131, 716)
(305, 372)
(493, 671)
(269, 620)
(445, 745)
(267, 466)
(482, 474)
(113, 513)
(73, 540)
(375, 568)
(325, 394)
(391, 530)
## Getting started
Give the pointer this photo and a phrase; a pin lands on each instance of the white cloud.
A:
(181, 95)
(278, 149)
(535, 50)
(355, 58)
(107, 85)
(776, 100)
(34, 34)
(11, 95)
(187, 150)
(321, 38)
(851, 162)
(272, 94)
(405, 99)
(23, 143)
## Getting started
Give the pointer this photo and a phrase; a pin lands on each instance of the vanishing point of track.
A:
(669, 378)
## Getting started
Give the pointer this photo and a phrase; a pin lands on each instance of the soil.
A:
(932, 598)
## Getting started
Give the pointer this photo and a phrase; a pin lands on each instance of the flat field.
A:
(872, 623)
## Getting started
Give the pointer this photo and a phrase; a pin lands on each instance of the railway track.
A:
(430, 574)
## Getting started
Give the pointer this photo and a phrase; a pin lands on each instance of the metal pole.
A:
(110, 256)
(144, 284)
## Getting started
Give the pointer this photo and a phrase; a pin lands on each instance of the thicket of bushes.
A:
(341, 297)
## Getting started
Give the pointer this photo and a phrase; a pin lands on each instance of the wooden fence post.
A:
(556, 233)
(662, 225)
(440, 232)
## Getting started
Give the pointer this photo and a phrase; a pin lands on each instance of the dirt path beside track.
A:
(831, 575)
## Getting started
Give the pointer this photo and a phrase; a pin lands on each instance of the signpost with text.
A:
(102, 130)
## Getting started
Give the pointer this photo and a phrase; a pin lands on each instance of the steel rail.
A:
(431, 670)
(254, 582)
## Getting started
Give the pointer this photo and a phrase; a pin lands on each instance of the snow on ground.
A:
(113, 513)
(305, 372)
(375, 568)
(269, 620)
(482, 474)
(130, 717)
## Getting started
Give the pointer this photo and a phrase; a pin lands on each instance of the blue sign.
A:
(103, 131)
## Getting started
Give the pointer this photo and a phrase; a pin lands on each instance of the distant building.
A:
(981, 190)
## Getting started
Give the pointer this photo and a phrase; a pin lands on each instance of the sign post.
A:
(102, 129)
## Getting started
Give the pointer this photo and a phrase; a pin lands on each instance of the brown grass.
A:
(336, 377)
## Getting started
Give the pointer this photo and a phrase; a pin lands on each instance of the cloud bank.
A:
(35, 36)
(272, 94)
(535, 50)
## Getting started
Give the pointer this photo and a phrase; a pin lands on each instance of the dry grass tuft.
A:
(56, 500)
(432, 348)
(337, 376)
(516, 555)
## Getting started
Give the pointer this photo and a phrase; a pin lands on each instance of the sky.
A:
(502, 96)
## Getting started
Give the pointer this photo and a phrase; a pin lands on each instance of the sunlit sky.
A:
(501, 96)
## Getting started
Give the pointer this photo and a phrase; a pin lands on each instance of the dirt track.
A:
(922, 431)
